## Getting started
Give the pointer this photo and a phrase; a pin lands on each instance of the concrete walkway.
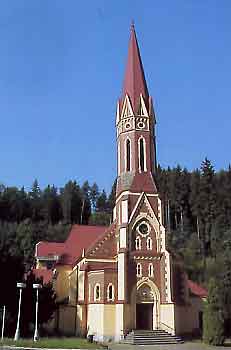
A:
(184, 346)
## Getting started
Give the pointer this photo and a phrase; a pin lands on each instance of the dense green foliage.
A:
(29, 217)
(197, 208)
(197, 216)
(213, 319)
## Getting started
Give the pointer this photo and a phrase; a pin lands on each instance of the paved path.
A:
(184, 346)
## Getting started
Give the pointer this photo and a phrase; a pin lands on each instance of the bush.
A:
(213, 318)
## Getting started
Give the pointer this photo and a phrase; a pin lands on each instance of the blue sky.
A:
(61, 73)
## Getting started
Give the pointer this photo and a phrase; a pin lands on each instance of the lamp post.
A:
(3, 320)
(20, 286)
(36, 286)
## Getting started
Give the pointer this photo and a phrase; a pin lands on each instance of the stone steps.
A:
(151, 337)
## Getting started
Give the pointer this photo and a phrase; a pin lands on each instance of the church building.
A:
(112, 280)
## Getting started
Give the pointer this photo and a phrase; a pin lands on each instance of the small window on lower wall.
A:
(150, 270)
(97, 292)
(149, 243)
(138, 270)
(110, 292)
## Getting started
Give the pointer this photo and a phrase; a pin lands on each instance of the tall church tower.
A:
(135, 124)
(142, 259)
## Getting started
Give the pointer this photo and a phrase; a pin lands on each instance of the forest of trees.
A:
(197, 217)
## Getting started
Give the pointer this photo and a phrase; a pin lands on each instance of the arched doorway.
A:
(146, 304)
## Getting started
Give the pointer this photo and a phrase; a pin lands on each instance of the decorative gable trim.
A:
(127, 110)
(143, 110)
(143, 197)
(108, 234)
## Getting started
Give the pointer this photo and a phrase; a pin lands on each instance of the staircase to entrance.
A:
(145, 337)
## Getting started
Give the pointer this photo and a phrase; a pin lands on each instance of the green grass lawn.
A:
(53, 343)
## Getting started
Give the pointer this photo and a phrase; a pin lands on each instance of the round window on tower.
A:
(141, 125)
(127, 126)
(143, 228)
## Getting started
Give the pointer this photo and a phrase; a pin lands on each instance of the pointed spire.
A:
(134, 81)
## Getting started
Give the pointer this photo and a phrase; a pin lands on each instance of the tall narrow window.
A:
(149, 243)
(128, 153)
(97, 292)
(138, 243)
(142, 154)
(110, 292)
(150, 270)
(138, 270)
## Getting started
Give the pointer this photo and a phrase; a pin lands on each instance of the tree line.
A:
(197, 207)
(196, 213)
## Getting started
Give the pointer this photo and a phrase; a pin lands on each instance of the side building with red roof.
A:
(111, 280)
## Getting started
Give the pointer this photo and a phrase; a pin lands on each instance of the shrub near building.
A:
(213, 320)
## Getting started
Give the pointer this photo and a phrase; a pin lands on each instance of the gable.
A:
(105, 247)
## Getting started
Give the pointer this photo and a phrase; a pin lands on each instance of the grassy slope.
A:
(56, 343)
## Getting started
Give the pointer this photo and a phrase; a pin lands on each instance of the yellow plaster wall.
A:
(129, 319)
(62, 283)
(167, 317)
(81, 282)
(67, 320)
(95, 322)
(109, 320)
(79, 320)
(73, 287)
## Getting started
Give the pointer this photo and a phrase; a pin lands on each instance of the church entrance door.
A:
(144, 316)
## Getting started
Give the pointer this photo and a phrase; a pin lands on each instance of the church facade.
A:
(111, 280)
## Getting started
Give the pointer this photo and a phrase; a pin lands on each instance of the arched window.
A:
(139, 270)
(97, 292)
(142, 155)
(110, 292)
(138, 243)
(128, 155)
(150, 270)
(149, 243)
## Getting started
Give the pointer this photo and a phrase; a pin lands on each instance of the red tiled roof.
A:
(101, 237)
(45, 274)
(134, 81)
(197, 290)
(80, 237)
(49, 248)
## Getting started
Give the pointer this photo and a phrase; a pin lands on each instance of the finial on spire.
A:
(132, 24)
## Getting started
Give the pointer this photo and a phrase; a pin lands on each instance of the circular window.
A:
(143, 228)
(141, 125)
(127, 126)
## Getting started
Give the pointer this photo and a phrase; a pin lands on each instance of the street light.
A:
(36, 286)
(20, 286)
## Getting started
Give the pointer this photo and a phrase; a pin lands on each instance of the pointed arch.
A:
(142, 108)
(128, 154)
(127, 110)
(142, 154)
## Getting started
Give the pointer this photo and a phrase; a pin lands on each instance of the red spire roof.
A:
(134, 81)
